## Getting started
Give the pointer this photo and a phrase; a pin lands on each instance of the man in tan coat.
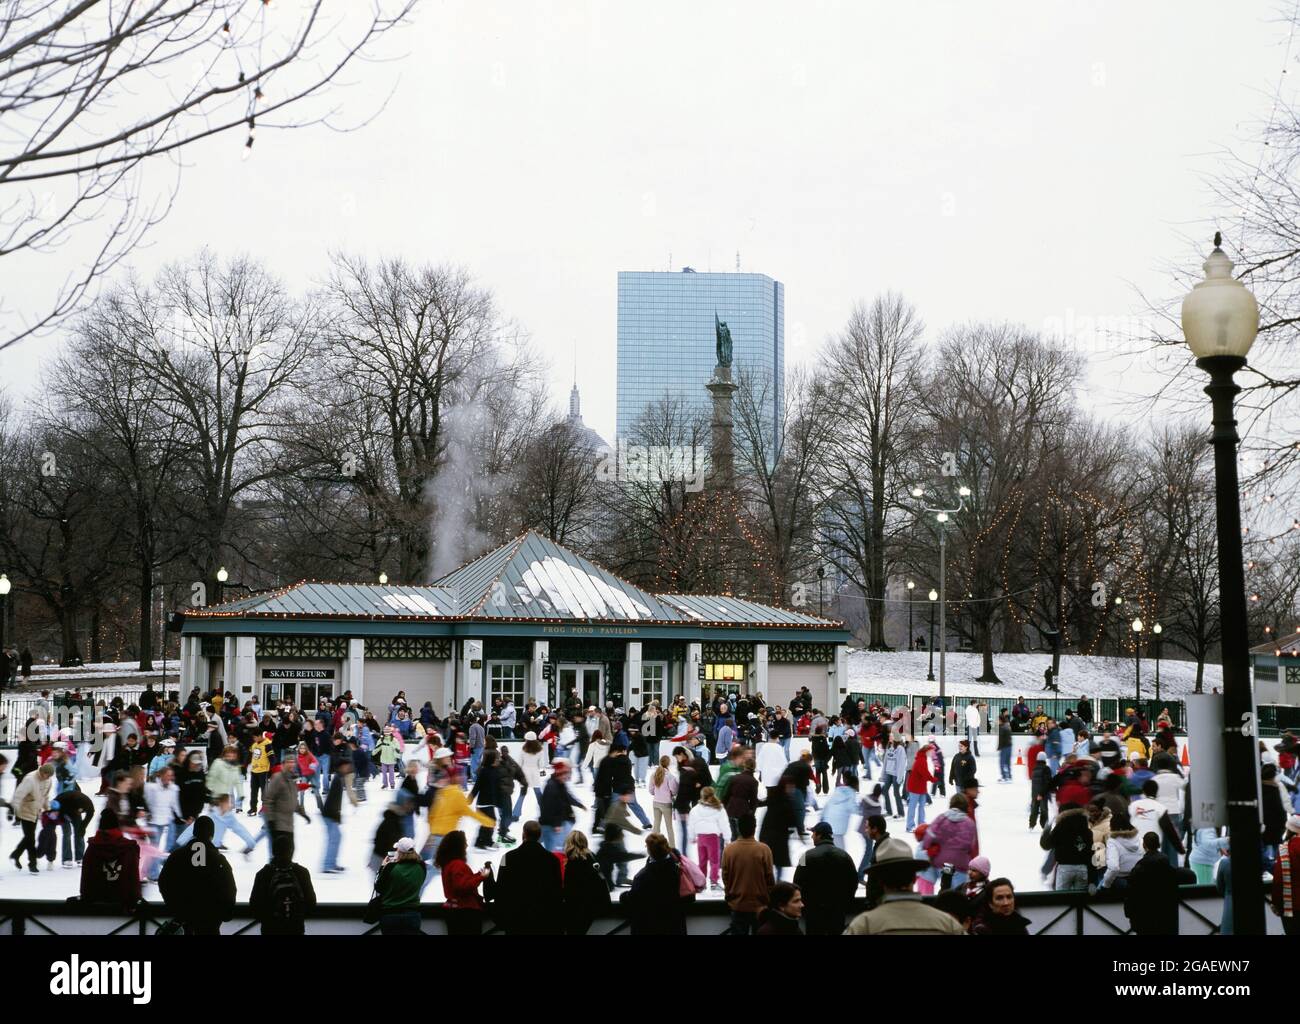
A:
(31, 799)
(901, 911)
(747, 877)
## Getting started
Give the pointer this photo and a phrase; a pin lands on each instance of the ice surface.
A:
(1002, 816)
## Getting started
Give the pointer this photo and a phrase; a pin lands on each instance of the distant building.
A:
(666, 341)
(594, 441)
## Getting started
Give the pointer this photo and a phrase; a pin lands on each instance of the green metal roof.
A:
(530, 579)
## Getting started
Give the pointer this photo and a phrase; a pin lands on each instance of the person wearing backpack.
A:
(196, 884)
(282, 895)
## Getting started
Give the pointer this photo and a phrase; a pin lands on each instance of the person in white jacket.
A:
(771, 763)
(1123, 851)
(162, 797)
(708, 823)
(1170, 789)
(973, 722)
(533, 763)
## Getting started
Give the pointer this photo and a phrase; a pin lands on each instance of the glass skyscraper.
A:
(666, 338)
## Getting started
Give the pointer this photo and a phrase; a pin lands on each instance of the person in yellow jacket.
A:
(259, 768)
(449, 805)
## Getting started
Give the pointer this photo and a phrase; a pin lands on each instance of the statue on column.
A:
(723, 334)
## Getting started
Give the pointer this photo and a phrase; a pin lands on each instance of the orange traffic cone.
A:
(1020, 759)
(1185, 761)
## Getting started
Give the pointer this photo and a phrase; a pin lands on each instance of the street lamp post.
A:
(383, 577)
(934, 596)
(1137, 664)
(911, 585)
(821, 587)
(1158, 629)
(1220, 319)
(222, 576)
(941, 516)
(5, 586)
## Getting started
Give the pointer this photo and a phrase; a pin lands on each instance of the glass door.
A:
(587, 680)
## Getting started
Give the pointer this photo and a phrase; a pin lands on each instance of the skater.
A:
(586, 893)
(196, 883)
(828, 880)
(30, 800)
(282, 896)
(708, 823)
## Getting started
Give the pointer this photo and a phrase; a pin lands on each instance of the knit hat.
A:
(530, 735)
(981, 864)
(1293, 823)
(405, 844)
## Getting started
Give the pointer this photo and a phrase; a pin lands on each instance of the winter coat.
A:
(197, 884)
(839, 809)
(827, 878)
(989, 923)
(1069, 837)
(585, 895)
(1151, 898)
(279, 802)
(32, 797)
(530, 891)
(742, 795)
(963, 770)
(919, 779)
(1123, 851)
(896, 761)
(774, 833)
(773, 922)
(748, 875)
(653, 904)
(953, 832)
(534, 766)
(706, 820)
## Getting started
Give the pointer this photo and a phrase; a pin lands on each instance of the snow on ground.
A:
(1095, 676)
(1003, 817)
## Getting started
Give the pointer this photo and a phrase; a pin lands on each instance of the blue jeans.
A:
(640, 814)
(800, 798)
(865, 862)
(785, 745)
(519, 804)
(333, 836)
(553, 839)
(973, 738)
(428, 854)
(888, 785)
(915, 810)
(1053, 763)
(475, 757)
(159, 833)
(639, 767)
(222, 822)
(1004, 763)
(323, 771)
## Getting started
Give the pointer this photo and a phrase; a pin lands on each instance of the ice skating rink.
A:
(1002, 814)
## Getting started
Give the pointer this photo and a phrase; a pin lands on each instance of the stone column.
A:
(760, 669)
(691, 672)
(837, 680)
(471, 678)
(354, 671)
(245, 667)
(632, 675)
(722, 473)
(449, 682)
(536, 674)
(227, 667)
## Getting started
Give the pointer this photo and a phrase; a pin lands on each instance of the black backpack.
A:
(286, 900)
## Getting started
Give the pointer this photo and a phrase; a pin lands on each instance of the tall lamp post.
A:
(941, 516)
(222, 576)
(1137, 664)
(1220, 319)
(934, 596)
(911, 585)
(1158, 629)
(5, 587)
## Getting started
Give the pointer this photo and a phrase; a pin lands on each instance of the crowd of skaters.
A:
(719, 779)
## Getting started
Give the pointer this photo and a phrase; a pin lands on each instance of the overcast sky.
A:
(1036, 161)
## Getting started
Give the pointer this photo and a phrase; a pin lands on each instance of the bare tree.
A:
(557, 487)
(872, 374)
(91, 93)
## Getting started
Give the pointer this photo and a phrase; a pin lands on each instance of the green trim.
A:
(788, 653)
(508, 649)
(727, 653)
(408, 648)
(302, 647)
(347, 628)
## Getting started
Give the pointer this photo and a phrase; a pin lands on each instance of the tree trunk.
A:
(96, 649)
(987, 675)
(68, 630)
(1200, 675)
(146, 618)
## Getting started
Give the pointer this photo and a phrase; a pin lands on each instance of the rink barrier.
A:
(1049, 913)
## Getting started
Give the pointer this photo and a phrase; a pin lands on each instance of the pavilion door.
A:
(588, 680)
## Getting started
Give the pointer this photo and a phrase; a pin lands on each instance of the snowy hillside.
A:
(905, 671)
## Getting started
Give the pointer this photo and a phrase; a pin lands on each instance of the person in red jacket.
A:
(460, 882)
(110, 869)
(1032, 755)
(918, 784)
(1285, 895)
